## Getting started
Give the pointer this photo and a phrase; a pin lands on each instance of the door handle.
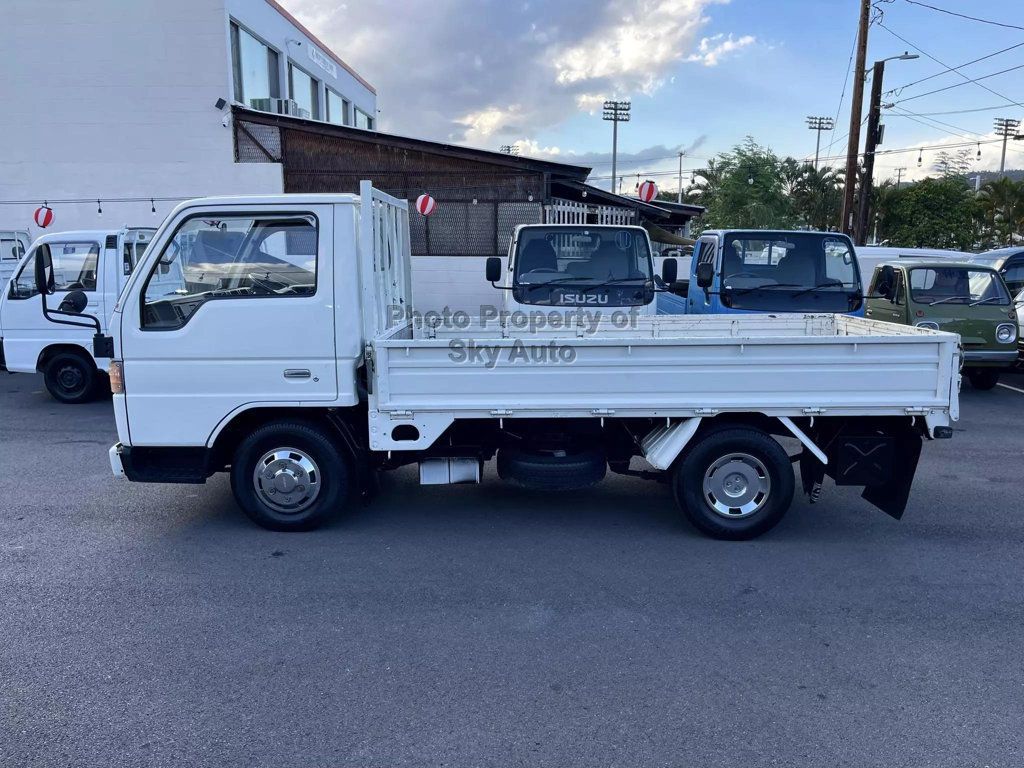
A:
(297, 373)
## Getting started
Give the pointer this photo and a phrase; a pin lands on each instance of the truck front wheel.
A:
(290, 476)
(70, 377)
(734, 484)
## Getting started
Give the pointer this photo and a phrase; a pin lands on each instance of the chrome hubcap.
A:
(736, 485)
(287, 480)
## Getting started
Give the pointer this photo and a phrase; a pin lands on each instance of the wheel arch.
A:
(48, 352)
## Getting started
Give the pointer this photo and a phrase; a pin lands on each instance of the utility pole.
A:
(899, 175)
(856, 104)
(679, 197)
(871, 141)
(819, 124)
(617, 112)
(1006, 128)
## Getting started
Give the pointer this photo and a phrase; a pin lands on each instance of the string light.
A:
(99, 208)
(979, 150)
(152, 206)
(920, 157)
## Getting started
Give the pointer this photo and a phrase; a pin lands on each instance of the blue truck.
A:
(737, 271)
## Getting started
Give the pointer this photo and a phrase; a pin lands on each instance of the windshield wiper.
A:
(984, 301)
(948, 298)
(741, 291)
(569, 279)
(819, 286)
(614, 281)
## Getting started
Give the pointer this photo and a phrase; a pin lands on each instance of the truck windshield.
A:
(579, 265)
(956, 285)
(790, 271)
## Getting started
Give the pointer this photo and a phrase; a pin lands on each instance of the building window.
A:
(363, 120)
(305, 91)
(338, 109)
(255, 68)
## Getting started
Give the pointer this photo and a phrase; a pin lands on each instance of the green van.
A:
(969, 299)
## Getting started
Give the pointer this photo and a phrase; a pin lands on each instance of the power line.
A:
(970, 80)
(961, 111)
(842, 96)
(947, 70)
(965, 77)
(964, 16)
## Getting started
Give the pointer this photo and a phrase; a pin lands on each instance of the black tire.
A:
(333, 473)
(71, 377)
(767, 505)
(983, 378)
(547, 470)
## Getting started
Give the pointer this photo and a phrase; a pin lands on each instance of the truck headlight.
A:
(116, 375)
(1006, 333)
(929, 324)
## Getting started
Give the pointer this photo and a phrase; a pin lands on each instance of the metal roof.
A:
(422, 145)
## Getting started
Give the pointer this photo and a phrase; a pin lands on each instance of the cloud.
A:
(486, 72)
(712, 49)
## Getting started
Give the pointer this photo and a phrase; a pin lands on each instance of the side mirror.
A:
(493, 269)
(44, 270)
(705, 274)
(74, 302)
(669, 271)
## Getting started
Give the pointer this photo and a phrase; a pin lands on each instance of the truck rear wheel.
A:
(290, 476)
(734, 484)
(70, 377)
(983, 378)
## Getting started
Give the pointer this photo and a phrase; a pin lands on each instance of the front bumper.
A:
(115, 460)
(988, 356)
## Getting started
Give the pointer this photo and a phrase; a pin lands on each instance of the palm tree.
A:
(708, 183)
(817, 195)
(1001, 201)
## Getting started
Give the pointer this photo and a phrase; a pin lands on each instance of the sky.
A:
(700, 74)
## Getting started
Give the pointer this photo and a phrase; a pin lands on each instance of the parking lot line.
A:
(1007, 386)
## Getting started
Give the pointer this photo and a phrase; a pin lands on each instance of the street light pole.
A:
(617, 112)
(819, 124)
(871, 141)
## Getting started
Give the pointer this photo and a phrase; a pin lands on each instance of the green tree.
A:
(934, 213)
(744, 189)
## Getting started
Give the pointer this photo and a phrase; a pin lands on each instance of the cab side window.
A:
(1013, 274)
(230, 257)
(74, 269)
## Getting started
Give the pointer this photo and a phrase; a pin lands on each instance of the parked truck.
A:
(579, 266)
(755, 271)
(94, 264)
(290, 363)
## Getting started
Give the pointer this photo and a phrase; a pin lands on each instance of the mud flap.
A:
(881, 456)
(884, 463)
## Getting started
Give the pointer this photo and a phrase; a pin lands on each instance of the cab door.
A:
(26, 331)
(890, 309)
(230, 309)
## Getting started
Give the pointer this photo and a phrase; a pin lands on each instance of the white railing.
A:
(384, 259)
(561, 211)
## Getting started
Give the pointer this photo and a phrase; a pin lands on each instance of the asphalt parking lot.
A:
(488, 626)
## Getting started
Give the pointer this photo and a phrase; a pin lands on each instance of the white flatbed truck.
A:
(288, 361)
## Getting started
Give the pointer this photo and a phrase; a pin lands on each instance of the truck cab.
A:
(966, 298)
(758, 271)
(90, 263)
(578, 266)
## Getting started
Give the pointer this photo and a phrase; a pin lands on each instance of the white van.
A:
(870, 256)
(95, 262)
(13, 246)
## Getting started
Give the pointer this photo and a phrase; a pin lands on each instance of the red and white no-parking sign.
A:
(425, 204)
(43, 216)
(648, 191)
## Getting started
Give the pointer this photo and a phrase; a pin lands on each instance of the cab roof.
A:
(935, 264)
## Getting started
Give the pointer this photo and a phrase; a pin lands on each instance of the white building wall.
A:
(110, 99)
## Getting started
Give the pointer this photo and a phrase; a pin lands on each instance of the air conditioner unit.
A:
(279, 107)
